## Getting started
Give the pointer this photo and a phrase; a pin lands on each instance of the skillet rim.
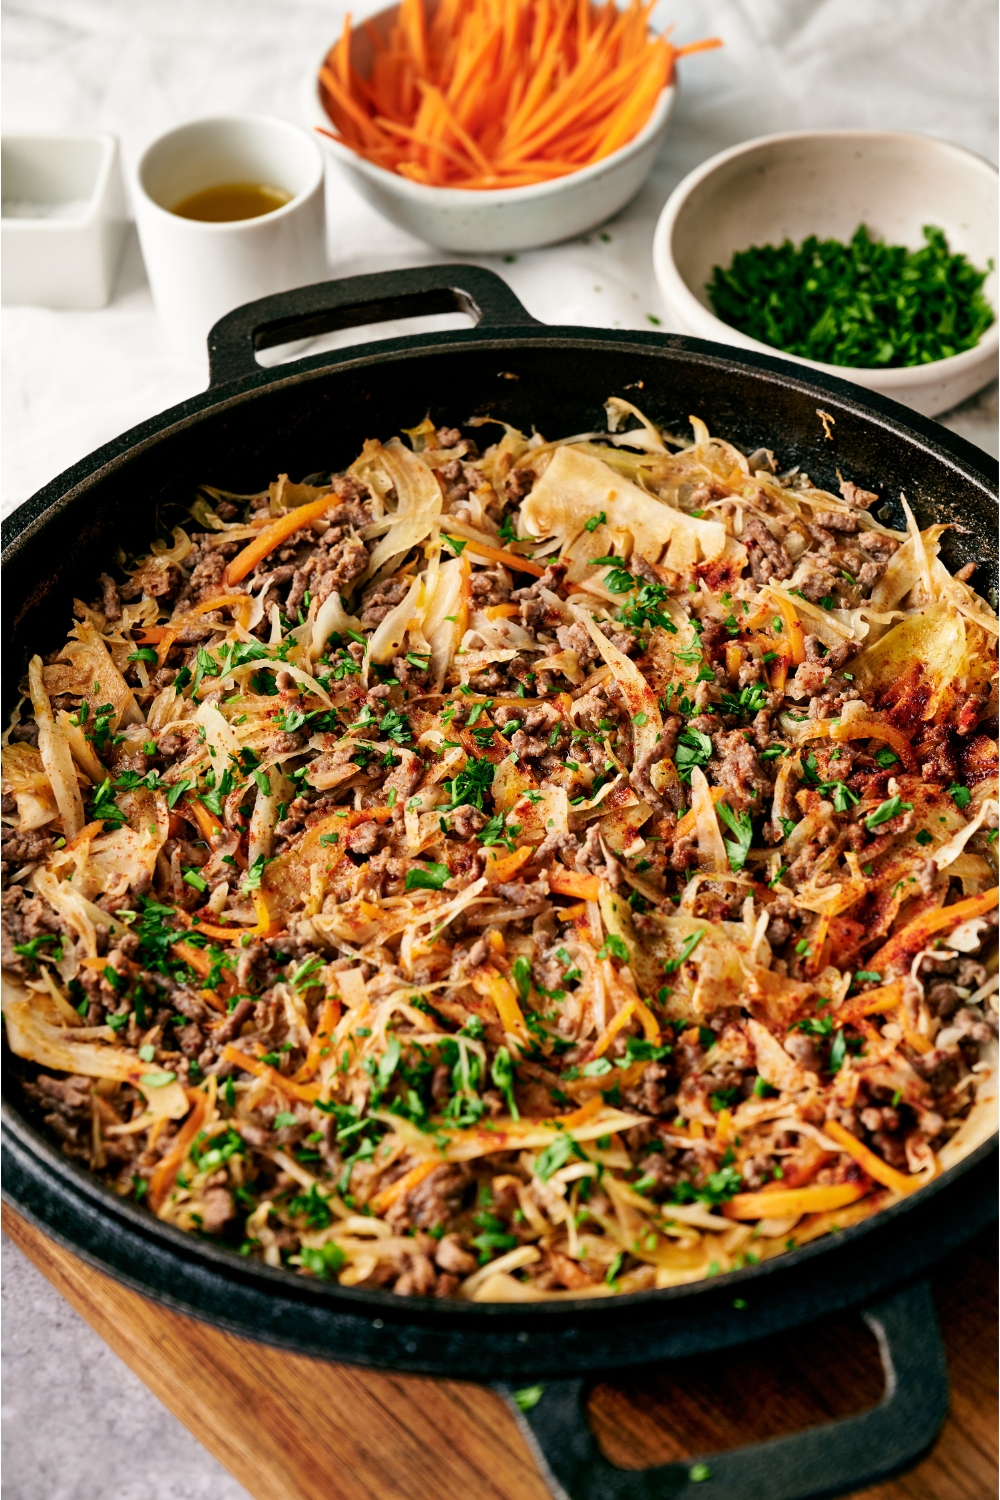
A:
(30, 518)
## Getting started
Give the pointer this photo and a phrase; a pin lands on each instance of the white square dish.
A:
(63, 222)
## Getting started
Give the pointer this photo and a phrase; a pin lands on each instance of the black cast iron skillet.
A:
(311, 416)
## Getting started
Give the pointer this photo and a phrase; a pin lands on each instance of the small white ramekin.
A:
(827, 182)
(63, 219)
(490, 222)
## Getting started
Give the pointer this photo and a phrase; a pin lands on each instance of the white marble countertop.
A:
(76, 1422)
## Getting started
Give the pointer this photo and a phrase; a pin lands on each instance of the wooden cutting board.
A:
(291, 1428)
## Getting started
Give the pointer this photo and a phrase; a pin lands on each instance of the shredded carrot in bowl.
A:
(487, 94)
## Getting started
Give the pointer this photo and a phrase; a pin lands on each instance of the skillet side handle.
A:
(817, 1464)
(306, 311)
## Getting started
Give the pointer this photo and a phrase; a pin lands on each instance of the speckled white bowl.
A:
(491, 222)
(827, 182)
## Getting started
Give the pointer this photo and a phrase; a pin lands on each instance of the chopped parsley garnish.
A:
(395, 727)
(324, 1262)
(105, 807)
(521, 970)
(430, 877)
(842, 797)
(642, 610)
(469, 785)
(671, 965)
(30, 950)
(838, 1052)
(740, 826)
(502, 1074)
(618, 578)
(865, 303)
(718, 1186)
(960, 795)
(694, 748)
(556, 1156)
(750, 701)
(891, 808)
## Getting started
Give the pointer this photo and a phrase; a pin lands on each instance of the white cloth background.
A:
(78, 1424)
(73, 380)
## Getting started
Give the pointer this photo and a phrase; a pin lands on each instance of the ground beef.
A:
(835, 520)
(577, 638)
(206, 577)
(18, 849)
(363, 839)
(657, 1092)
(337, 560)
(24, 918)
(432, 1202)
(855, 496)
(377, 601)
(524, 892)
(877, 549)
(815, 579)
(518, 484)
(664, 748)
(355, 503)
(492, 586)
(465, 822)
(110, 603)
(739, 768)
(768, 558)
(450, 1256)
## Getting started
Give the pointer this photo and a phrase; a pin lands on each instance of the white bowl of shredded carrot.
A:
(486, 127)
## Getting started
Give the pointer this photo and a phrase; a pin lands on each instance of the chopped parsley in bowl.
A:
(860, 303)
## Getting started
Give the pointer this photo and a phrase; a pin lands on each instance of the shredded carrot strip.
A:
(569, 883)
(618, 1020)
(899, 951)
(162, 1179)
(871, 1003)
(273, 535)
(163, 636)
(579, 1116)
(304, 1091)
(688, 822)
(499, 93)
(491, 983)
(876, 1168)
(509, 559)
(793, 630)
(790, 1201)
(650, 1025)
(207, 822)
(262, 927)
(401, 1186)
(502, 869)
(329, 1015)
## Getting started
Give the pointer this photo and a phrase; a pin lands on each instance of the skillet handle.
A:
(305, 311)
(816, 1464)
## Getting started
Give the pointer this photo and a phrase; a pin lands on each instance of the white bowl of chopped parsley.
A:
(866, 254)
